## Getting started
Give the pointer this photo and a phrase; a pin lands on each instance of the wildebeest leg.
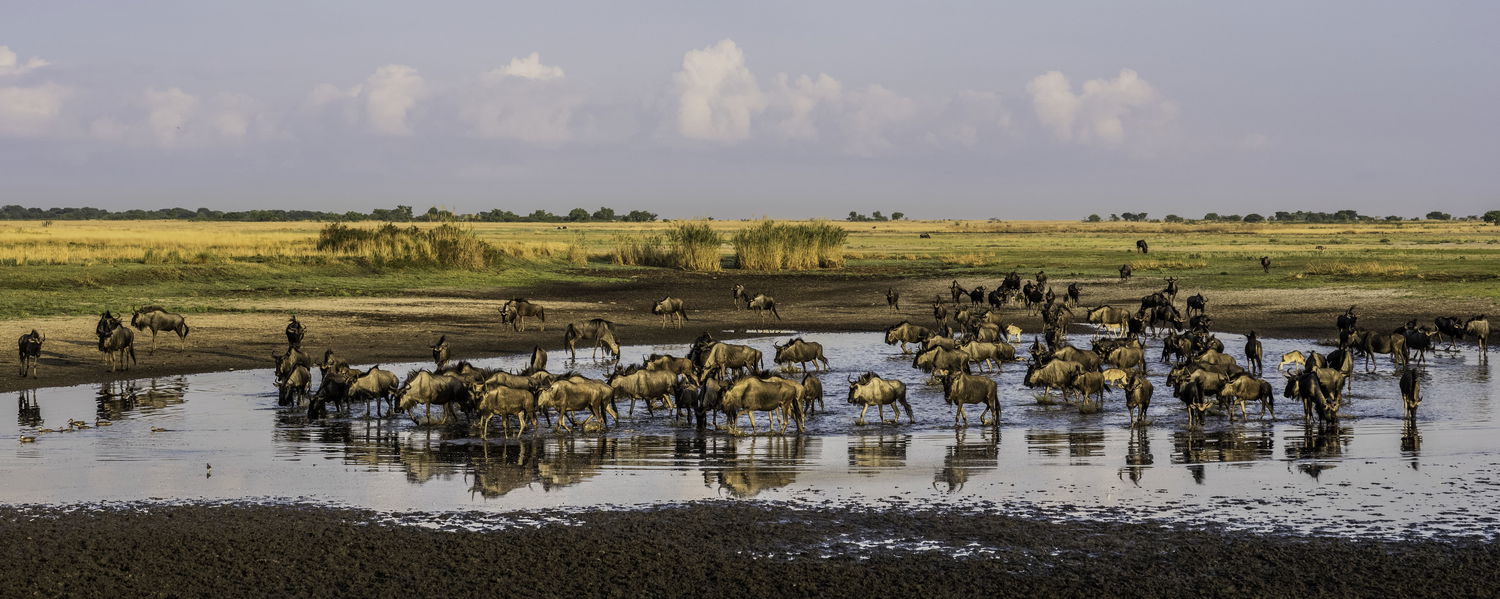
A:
(484, 425)
(957, 415)
(861, 420)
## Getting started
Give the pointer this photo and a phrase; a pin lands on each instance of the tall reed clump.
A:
(778, 246)
(444, 246)
(695, 246)
(640, 250)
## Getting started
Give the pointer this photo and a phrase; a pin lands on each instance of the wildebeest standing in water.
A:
(1253, 353)
(440, 352)
(800, 352)
(598, 330)
(158, 319)
(871, 390)
(538, 361)
(1479, 327)
(892, 299)
(671, 311)
(963, 388)
(426, 388)
(30, 346)
(1140, 244)
(1411, 392)
(295, 332)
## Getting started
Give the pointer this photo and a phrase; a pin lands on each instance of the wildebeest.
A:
(1194, 400)
(801, 353)
(957, 291)
(1319, 397)
(1411, 392)
(644, 384)
(598, 330)
(763, 303)
(1041, 278)
(423, 387)
(1074, 293)
(500, 400)
(157, 319)
(516, 311)
(671, 311)
(740, 296)
(1348, 320)
(988, 353)
(295, 332)
(872, 390)
(374, 385)
(1253, 353)
(905, 332)
(749, 394)
(440, 352)
(1140, 244)
(1125, 271)
(30, 346)
(1171, 289)
(1196, 304)
(961, 388)
(1126, 358)
(1265, 263)
(669, 363)
(1451, 327)
(1088, 359)
(538, 361)
(1243, 388)
(1419, 341)
(331, 362)
(812, 391)
(293, 385)
(1090, 382)
(1138, 391)
(939, 312)
(1479, 328)
(1370, 343)
(1110, 318)
(941, 361)
(976, 295)
(117, 344)
(289, 361)
(892, 299)
(1056, 374)
(574, 393)
(725, 358)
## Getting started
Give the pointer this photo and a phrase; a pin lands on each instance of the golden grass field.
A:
(201, 259)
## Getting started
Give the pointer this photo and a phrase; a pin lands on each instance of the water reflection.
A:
(1319, 442)
(1086, 443)
(1227, 445)
(1138, 456)
(868, 454)
(117, 400)
(29, 413)
(757, 464)
(967, 456)
(506, 467)
(1411, 439)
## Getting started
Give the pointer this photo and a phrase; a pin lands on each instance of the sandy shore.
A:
(400, 329)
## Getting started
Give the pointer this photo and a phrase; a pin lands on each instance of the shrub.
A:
(779, 246)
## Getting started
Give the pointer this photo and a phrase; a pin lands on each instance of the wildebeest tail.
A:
(773, 312)
(131, 347)
(185, 329)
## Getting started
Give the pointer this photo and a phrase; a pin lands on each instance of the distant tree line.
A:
(875, 216)
(1300, 216)
(399, 214)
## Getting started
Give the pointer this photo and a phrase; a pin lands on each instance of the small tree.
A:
(1173, 218)
(1212, 216)
(604, 214)
(1254, 218)
(876, 215)
(542, 216)
(1093, 218)
(897, 215)
(1435, 215)
(640, 216)
(1492, 217)
(578, 215)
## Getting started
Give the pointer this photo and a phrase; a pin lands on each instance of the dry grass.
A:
(1357, 269)
(970, 260)
(1148, 265)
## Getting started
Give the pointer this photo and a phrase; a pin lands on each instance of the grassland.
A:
(82, 267)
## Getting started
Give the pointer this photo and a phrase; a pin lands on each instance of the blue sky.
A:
(784, 109)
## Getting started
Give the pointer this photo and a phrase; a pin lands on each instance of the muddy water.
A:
(221, 437)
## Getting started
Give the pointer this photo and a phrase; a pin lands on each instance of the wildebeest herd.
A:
(969, 341)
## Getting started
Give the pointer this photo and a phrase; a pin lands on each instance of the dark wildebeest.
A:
(30, 346)
(800, 352)
(1370, 343)
(892, 299)
(1057, 374)
(294, 384)
(1194, 400)
(997, 298)
(1138, 391)
(157, 319)
(295, 332)
(440, 352)
(1140, 244)
(740, 296)
(1419, 341)
(960, 389)
(516, 311)
(538, 360)
(671, 311)
(116, 345)
(763, 303)
(598, 330)
(939, 312)
(1074, 292)
(1451, 327)
(812, 391)
(906, 332)
(957, 291)
(1170, 291)
(1411, 392)
(1253, 353)
(1348, 320)
(1125, 271)
(1265, 263)
(871, 390)
(1196, 304)
(976, 295)
(1317, 398)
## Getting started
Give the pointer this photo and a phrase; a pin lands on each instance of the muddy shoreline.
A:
(723, 547)
(400, 329)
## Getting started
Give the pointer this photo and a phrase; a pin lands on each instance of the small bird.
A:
(28, 439)
(157, 429)
(45, 430)
(102, 423)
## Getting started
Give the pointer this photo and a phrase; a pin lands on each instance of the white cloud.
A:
(717, 96)
(391, 92)
(1099, 114)
(11, 65)
(798, 99)
(969, 117)
(529, 67)
(167, 112)
(869, 113)
(30, 111)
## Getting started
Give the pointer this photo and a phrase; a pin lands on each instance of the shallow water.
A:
(1374, 476)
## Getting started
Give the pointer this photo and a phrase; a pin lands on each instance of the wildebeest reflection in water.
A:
(868, 453)
(1137, 455)
(966, 456)
(759, 464)
(1319, 442)
(505, 467)
(1194, 446)
(117, 399)
(29, 413)
(1080, 443)
(1411, 439)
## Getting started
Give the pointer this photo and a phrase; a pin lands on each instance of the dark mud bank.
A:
(729, 549)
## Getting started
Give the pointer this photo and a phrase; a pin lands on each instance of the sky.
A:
(779, 109)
